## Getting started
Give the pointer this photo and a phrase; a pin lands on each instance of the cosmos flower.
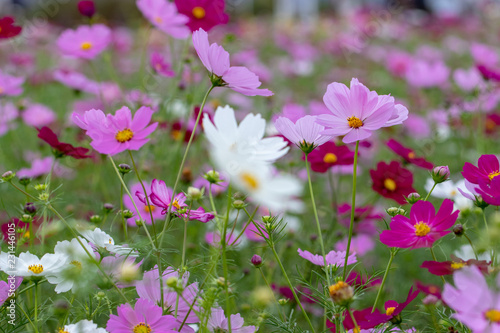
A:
(85, 42)
(449, 267)
(487, 168)
(356, 111)
(332, 258)
(29, 265)
(38, 115)
(161, 196)
(144, 317)
(77, 81)
(451, 190)
(142, 205)
(113, 134)
(304, 132)
(490, 192)
(10, 85)
(408, 154)
(160, 65)
(328, 155)
(204, 14)
(218, 322)
(8, 29)
(83, 326)
(164, 16)
(216, 60)
(8, 114)
(365, 218)
(392, 181)
(393, 309)
(102, 241)
(476, 305)
(425, 74)
(61, 148)
(423, 227)
(8, 287)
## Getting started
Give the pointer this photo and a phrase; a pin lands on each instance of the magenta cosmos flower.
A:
(160, 65)
(423, 227)
(357, 111)
(164, 16)
(408, 154)
(219, 323)
(305, 132)
(204, 14)
(114, 134)
(216, 60)
(487, 168)
(476, 305)
(490, 192)
(145, 317)
(85, 42)
(10, 85)
(332, 258)
(161, 196)
(145, 209)
(329, 155)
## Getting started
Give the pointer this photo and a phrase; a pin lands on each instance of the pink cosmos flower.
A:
(8, 114)
(8, 288)
(160, 65)
(423, 227)
(164, 16)
(393, 309)
(305, 132)
(357, 111)
(161, 196)
(38, 115)
(141, 205)
(360, 244)
(332, 258)
(469, 79)
(397, 62)
(77, 81)
(114, 134)
(365, 218)
(10, 85)
(476, 305)
(216, 60)
(487, 169)
(219, 323)
(144, 317)
(149, 289)
(204, 14)
(214, 238)
(425, 74)
(85, 42)
(42, 166)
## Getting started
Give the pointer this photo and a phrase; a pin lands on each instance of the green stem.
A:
(250, 219)
(485, 222)
(272, 293)
(124, 223)
(184, 243)
(432, 189)
(356, 327)
(435, 259)
(29, 319)
(36, 304)
(224, 260)
(179, 173)
(353, 207)
(472, 246)
(393, 254)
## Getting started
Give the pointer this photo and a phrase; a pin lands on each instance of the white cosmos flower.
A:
(465, 252)
(245, 140)
(78, 263)
(28, 264)
(83, 326)
(102, 240)
(449, 190)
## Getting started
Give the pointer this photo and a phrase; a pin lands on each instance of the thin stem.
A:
(250, 219)
(179, 173)
(393, 254)
(320, 236)
(36, 304)
(29, 319)
(224, 260)
(356, 327)
(472, 246)
(432, 189)
(184, 243)
(485, 222)
(272, 293)
(435, 259)
(124, 223)
(353, 207)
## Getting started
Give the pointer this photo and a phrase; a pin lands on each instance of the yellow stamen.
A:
(354, 122)
(149, 208)
(176, 134)
(36, 269)
(493, 315)
(198, 12)
(390, 311)
(124, 135)
(390, 184)
(109, 241)
(457, 265)
(330, 158)
(494, 174)
(422, 229)
(86, 46)
(77, 264)
(142, 328)
(62, 330)
(158, 20)
(176, 204)
(337, 286)
(411, 155)
(250, 180)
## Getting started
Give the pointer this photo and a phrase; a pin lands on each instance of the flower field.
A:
(198, 169)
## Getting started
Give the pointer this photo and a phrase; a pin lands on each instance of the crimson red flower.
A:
(429, 289)
(8, 29)
(492, 123)
(364, 319)
(408, 154)
(204, 14)
(392, 181)
(393, 309)
(61, 148)
(440, 268)
(86, 8)
(329, 154)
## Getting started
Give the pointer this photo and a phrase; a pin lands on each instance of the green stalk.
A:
(432, 189)
(224, 260)
(353, 207)
(283, 318)
(393, 254)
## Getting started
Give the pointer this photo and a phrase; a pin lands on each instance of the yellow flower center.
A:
(176, 204)
(457, 265)
(176, 134)
(142, 328)
(250, 180)
(158, 20)
(411, 155)
(337, 286)
(198, 12)
(356, 329)
(490, 125)
(109, 241)
(330, 158)
(149, 208)
(389, 184)
(422, 229)
(389, 311)
(62, 330)
(124, 135)
(86, 46)
(354, 122)
(77, 264)
(37, 269)
(493, 174)
(493, 315)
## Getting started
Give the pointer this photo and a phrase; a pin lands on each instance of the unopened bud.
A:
(139, 223)
(127, 214)
(238, 204)
(283, 301)
(413, 197)
(27, 218)
(172, 282)
(458, 230)
(101, 295)
(124, 168)
(194, 193)
(341, 293)
(25, 181)
(108, 207)
(256, 260)
(96, 219)
(86, 8)
(393, 211)
(30, 208)
(212, 176)
(7, 176)
(40, 187)
(440, 174)
(129, 272)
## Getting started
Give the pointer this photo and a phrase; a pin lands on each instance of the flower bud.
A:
(40, 187)
(128, 272)
(139, 223)
(172, 282)
(283, 301)
(341, 293)
(124, 168)
(221, 282)
(413, 197)
(100, 295)
(194, 193)
(393, 211)
(212, 176)
(96, 219)
(256, 260)
(86, 8)
(27, 218)
(30, 208)
(25, 181)
(458, 230)
(238, 204)
(430, 299)
(127, 214)
(7, 176)
(44, 196)
(440, 174)
(108, 207)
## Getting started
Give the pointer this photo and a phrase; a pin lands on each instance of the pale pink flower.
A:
(10, 85)
(85, 42)
(38, 115)
(163, 15)
(332, 258)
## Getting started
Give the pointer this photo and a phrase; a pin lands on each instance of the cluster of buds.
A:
(393, 211)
